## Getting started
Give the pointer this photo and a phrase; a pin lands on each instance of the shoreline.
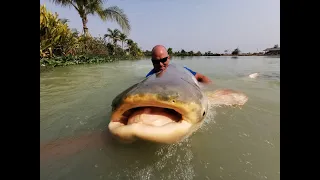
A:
(47, 64)
(50, 63)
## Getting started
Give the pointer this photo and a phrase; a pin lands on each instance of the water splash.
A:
(211, 113)
(172, 161)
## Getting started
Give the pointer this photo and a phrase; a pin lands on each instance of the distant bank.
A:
(275, 51)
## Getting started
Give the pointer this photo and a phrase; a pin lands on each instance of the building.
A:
(272, 51)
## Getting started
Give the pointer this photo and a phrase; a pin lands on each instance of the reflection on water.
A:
(234, 143)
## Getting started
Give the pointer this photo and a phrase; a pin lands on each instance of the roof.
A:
(272, 49)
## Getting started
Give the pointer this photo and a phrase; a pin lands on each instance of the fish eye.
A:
(204, 113)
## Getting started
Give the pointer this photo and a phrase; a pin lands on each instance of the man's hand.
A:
(202, 78)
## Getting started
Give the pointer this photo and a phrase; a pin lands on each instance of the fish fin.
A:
(226, 97)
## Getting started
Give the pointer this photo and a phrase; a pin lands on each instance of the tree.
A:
(133, 48)
(130, 44)
(56, 38)
(190, 53)
(198, 53)
(113, 35)
(87, 7)
(169, 50)
(122, 38)
(236, 51)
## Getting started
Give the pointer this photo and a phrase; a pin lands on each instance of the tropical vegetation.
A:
(60, 45)
(95, 7)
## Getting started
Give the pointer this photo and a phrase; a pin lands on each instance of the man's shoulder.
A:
(192, 72)
(150, 73)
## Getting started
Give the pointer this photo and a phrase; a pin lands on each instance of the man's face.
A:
(160, 63)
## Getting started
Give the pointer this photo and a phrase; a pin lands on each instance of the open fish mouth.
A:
(152, 123)
(152, 116)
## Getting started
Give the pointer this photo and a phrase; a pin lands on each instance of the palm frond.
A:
(63, 3)
(114, 13)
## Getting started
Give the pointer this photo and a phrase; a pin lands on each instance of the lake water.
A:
(234, 143)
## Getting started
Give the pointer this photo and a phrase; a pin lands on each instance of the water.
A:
(235, 143)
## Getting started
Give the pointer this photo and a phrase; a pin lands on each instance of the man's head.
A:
(160, 58)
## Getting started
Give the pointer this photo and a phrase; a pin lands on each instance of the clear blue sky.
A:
(205, 25)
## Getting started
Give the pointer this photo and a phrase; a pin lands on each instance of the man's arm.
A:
(202, 78)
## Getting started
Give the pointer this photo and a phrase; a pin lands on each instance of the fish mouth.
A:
(152, 116)
(155, 121)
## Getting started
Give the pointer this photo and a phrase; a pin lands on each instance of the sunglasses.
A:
(163, 60)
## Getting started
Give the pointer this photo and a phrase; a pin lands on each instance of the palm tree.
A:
(123, 38)
(87, 7)
(130, 44)
(133, 48)
(114, 36)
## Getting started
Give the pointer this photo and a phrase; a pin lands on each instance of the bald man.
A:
(161, 59)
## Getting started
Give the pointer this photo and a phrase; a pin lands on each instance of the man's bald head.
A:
(160, 58)
(159, 51)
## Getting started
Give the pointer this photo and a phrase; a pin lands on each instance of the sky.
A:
(198, 25)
